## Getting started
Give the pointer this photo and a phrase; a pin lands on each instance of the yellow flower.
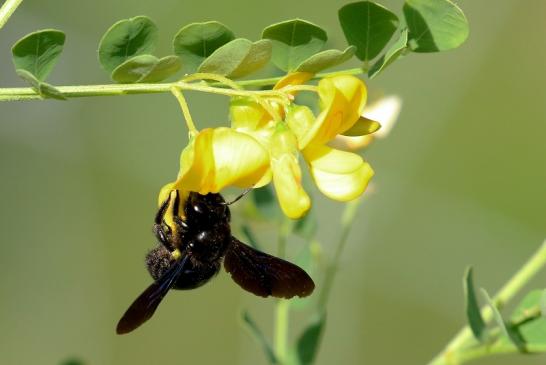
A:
(221, 157)
(266, 139)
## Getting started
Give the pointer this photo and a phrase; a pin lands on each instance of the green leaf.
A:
(266, 202)
(473, 313)
(510, 333)
(294, 41)
(126, 39)
(528, 320)
(146, 68)
(362, 127)
(37, 52)
(307, 344)
(258, 335)
(326, 59)
(530, 305)
(197, 41)
(435, 26)
(238, 58)
(368, 26)
(392, 54)
(543, 303)
(44, 89)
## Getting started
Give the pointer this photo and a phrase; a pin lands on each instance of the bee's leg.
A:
(162, 235)
(162, 209)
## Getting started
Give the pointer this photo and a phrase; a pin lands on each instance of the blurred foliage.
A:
(454, 181)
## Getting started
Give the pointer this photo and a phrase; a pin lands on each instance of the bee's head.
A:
(208, 209)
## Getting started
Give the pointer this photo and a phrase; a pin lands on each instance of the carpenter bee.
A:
(193, 242)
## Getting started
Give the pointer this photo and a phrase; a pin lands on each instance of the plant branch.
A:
(282, 311)
(7, 10)
(27, 93)
(454, 352)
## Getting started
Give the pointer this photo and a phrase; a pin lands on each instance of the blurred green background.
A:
(461, 180)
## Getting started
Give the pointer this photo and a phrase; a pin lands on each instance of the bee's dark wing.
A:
(265, 275)
(145, 305)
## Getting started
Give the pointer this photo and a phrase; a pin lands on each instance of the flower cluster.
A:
(267, 140)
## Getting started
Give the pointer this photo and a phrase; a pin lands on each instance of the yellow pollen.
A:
(176, 254)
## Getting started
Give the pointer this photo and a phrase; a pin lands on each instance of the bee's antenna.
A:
(239, 197)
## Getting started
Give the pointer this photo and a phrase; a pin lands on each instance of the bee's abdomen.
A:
(196, 276)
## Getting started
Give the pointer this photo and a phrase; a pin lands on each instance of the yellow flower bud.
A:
(293, 199)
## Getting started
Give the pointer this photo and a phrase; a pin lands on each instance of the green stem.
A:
(185, 111)
(498, 349)
(127, 89)
(27, 93)
(456, 349)
(7, 10)
(347, 219)
(281, 330)
(282, 311)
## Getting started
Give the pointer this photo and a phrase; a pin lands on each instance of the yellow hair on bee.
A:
(176, 254)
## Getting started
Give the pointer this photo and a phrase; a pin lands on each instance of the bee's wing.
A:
(145, 305)
(265, 275)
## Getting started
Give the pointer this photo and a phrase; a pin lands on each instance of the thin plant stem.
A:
(454, 352)
(126, 89)
(7, 10)
(282, 310)
(282, 319)
(347, 220)
(27, 93)
(185, 110)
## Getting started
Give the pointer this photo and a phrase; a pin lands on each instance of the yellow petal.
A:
(295, 78)
(221, 157)
(338, 174)
(266, 179)
(293, 199)
(300, 119)
(342, 99)
(169, 191)
(164, 193)
(246, 114)
(354, 92)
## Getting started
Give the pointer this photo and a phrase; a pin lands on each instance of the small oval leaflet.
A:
(195, 42)
(125, 39)
(294, 41)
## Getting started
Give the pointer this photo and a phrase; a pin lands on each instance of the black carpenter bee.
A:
(190, 252)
